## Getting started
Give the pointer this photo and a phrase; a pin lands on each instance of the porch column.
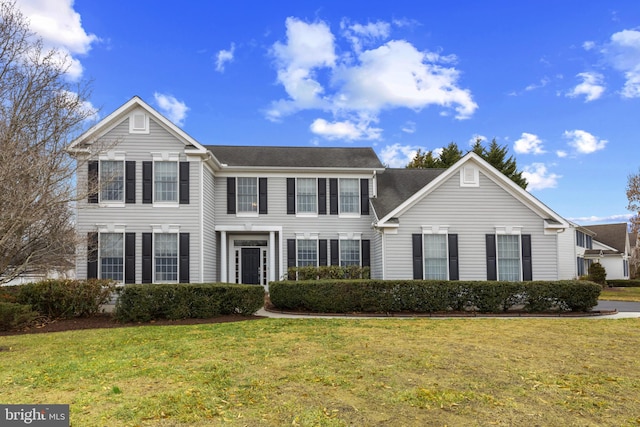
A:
(272, 256)
(223, 256)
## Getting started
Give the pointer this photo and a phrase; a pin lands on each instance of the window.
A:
(349, 195)
(112, 181)
(435, 257)
(166, 257)
(580, 238)
(349, 252)
(112, 256)
(508, 252)
(306, 195)
(580, 262)
(247, 195)
(166, 181)
(307, 253)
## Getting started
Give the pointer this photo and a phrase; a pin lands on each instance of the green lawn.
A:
(332, 372)
(621, 294)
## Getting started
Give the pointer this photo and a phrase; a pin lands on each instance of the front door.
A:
(251, 266)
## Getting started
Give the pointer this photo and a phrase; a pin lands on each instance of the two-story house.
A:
(162, 207)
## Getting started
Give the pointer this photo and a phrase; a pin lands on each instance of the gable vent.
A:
(138, 123)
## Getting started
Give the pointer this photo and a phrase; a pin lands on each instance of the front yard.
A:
(331, 372)
(621, 294)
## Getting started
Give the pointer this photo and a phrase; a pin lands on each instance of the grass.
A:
(621, 294)
(332, 372)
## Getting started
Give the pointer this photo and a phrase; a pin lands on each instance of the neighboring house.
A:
(634, 259)
(611, 248)
(583, 244)
(169, 209)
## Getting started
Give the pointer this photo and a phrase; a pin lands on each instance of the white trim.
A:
(307, 236)
(165, 228)
(469, 176)
(352, 235)
(509, 229)
(134, 120)
(201, 209)
(435, 229)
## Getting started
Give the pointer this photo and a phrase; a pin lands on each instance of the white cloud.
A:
(591, 86)
(175, 110)
(86, 108)
(588, 45)
(561, 153)
(623, 52)
(593, 219)
(60, 27)
(223, 57)
(361, 83)
(409, 127)
(364, 35)
(584, 142)
(528, 144)
(398, 156)
(539, 178)
(542, 83)
(345, 130)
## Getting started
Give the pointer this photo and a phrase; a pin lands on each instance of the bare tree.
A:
(41, 110)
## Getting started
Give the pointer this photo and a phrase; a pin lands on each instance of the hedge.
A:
(64, 299)
(142, 303)
(623, 283)
(15, 316)
(427, 296)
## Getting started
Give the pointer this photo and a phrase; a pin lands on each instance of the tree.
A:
(633, 196)
(495, 156)
(40, 112)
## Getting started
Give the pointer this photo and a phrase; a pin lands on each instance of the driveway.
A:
(621, 306)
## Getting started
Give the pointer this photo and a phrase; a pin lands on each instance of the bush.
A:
(623, 283)
(142, 303)
(65, 299)
(597, 273)
(15, 316)
(326, 272)
(424, 296)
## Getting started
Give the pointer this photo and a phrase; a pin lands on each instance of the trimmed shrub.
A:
(65, 299)
(597, 273)
(623, 283)
(328, 272)
(15, 316)
(142, 303)
(424, 296)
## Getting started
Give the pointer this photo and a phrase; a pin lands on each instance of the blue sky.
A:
(558, 82)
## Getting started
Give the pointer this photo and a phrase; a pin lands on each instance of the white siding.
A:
(567, 256)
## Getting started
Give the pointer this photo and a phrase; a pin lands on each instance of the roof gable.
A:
(552, 219)
(85, 140)
(612, 235)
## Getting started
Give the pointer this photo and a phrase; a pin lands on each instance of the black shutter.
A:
(322, 249)
(417, 256)
(322, 196)
(130, 181)
(262, 192)
(366, 253)
(231, 195)
(183, 253)
(527, 266)
(364, 196)
(184, 183)
(453, 257)
(333, 196)
(291, 252)
(492, 273)
(147, 257)
(291, 196)
(130, 258)
(92, 255)
(147, 182)
(335, 252)
(92, 183)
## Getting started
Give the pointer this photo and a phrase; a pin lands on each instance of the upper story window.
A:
(166, 181)
(307, 199)
(112, 181)
(247, 195)
(112, 256)
(584, 240)
(349, 195)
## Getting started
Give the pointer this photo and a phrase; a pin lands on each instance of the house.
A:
(162, 207)
(611, 248)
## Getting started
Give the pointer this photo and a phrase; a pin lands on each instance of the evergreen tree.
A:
(450, 155)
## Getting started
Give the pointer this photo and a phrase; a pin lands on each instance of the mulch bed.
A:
(103, 321)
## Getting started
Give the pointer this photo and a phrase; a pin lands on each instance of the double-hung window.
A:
(166, 257)
(307, 253)
(247, 195)
(112, 181)
(112, 256)
(349, 252)
(166, 181)
(436, 260)
(349, 196)
(508, 257)
(307, 199)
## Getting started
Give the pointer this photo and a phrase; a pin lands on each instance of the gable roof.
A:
(296, 157)
(397, 185)
(613, 235)
(114, 119)
(551, 218)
